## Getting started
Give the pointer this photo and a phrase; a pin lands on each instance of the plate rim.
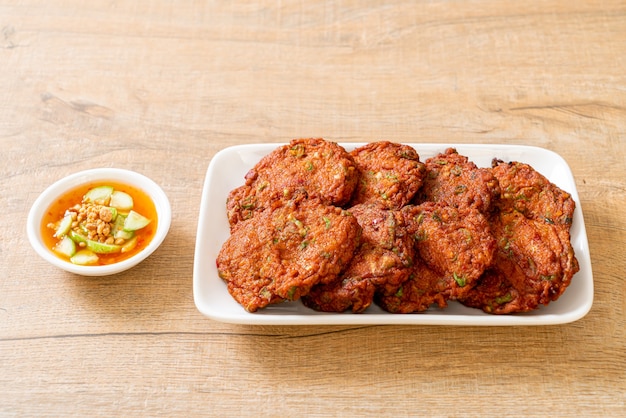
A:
(434, 317)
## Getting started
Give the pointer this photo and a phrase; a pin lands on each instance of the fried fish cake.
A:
(280, 254)
(382, 261)
(534, 264)
(455, 247)
(423, 288)
(304, 168)
(341, 295)
(390, 174)
(529, 192)
(535, 260)
(453, 180)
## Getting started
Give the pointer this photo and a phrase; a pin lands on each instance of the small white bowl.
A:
(45, 200)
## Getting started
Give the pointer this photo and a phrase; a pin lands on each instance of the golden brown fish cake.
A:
(456, 243)
(382, 261)
(390, 174)
(423, 288)
(453, 180)
(279, 255)
(533, 266)
(535, 260)
(304, 168)
(341, 295)
(454, 248)
(529, 192)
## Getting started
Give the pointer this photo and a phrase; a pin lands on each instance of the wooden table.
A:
(160, 87)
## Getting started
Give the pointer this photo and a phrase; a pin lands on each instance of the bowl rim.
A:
(133, 178)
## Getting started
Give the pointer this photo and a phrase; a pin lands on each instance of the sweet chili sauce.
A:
(141, 204)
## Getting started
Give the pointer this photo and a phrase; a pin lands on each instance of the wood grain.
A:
(160, 87)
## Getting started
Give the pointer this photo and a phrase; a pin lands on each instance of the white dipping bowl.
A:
(98, 175)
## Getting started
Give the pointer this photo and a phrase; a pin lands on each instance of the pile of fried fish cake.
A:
(342, 230)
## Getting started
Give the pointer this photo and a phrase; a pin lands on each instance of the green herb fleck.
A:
(297, 150)
(503, 299)
(292, 292)
(460, 280)
(248, 203)
(420, 235)
(265, 293)
(302, 230)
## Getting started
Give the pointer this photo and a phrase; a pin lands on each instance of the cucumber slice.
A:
(98, 194)
(120, 233)
(65, 247)
(102, 248)
(76, 237)
(121, 201)
(118, 229)
(135, 221)
(129, 245)
(119, 222)
(64, 226)
(85, 258)
(83, 229)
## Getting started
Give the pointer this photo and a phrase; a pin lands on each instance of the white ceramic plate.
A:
(226, 171)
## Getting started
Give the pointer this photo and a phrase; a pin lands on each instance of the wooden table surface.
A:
(159, 87)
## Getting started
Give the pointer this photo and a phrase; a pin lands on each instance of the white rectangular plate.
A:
(226, 171)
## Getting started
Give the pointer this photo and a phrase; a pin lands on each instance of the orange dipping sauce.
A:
(141, 204)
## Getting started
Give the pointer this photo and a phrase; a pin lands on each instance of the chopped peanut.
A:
(98, 225)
